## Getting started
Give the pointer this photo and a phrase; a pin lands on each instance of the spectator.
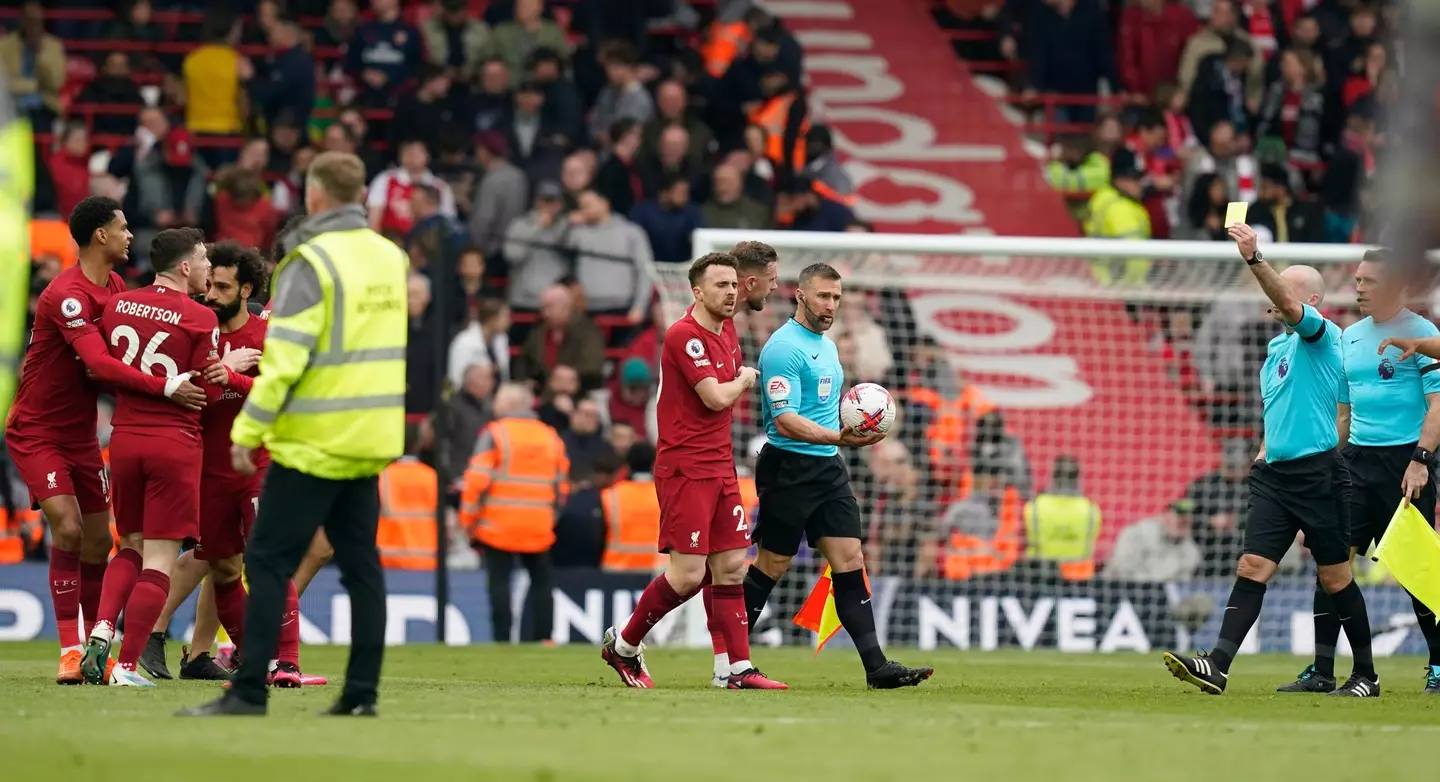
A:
(1179, 130)
(563, 337)
(623, 97)
(1224, 157)
(457, 43)
(348, 133)
(539, 146)
(214, 104)
(1278, 216)
(500, 197)
(289, 85)
(470, 279)
(557, 404)
(469, 411)
(1347, 51)
(1351, 167)
(455, 166)
(492, 104)
(1219, 500)
(1152, 35)
(999, 451)
(485, 341)
(1160, 168)
(669, 219)
(799, 208)
(1293, 113)
(782, 115)
(1157, 550)
(517, 40)
(136, 24)
(166, 180)
(287, 138)
(612, 259)
(422, 114)
(114, 86)
(69, 166)
(563, 107)
(535, 247)
(342, 22)
(619, 178)
(287, 193)
(672, 108)
(1062, 526)
(729, 207)
(34, 66)
(895, 512)
(630, 394)
(1205, 211)
(1220, 89)
(420, 349)
(584, 441)
(257, 31)
(389, 196)
(623, 437)
(873, 357)
(433, 236)
(384, 53)
(1078, 171)
(1304, 40)
(243, 211)
(822, 165)
(580, 529)
(1215, 39)
(771, 49)
(1366, 77)
(577, 174)
(1068, 50)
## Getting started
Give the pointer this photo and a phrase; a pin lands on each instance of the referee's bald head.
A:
(1307, 282)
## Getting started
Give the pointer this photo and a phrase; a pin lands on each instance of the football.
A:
(868, 409)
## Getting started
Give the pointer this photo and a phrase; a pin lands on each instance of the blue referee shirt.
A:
(1300, 385)
(800, 373)
(1387, 395)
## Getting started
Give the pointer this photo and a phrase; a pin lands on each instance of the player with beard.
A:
(702, 519)
(50, 433)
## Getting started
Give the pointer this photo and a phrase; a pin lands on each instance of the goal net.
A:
(1076, 422)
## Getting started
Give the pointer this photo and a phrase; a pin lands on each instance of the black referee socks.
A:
(1327, 631)
(852, 607)
(1246, 597)
(1350, 604)
(758, 587)
(1428, 628)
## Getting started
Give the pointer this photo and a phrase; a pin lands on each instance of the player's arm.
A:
(1260, 457)
(782, 366)
(1296, 315)
(1417, 474)
(85, 339)
(685, 349)
(297, 319)
(1428, 347)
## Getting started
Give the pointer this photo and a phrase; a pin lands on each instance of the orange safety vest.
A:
(19, 533)
(407, 536)
(632, 527)
(966, 556)
(723, 42)
(950, 423)
(749, 498)
(825, 191)
(771, 117)
(513, 489)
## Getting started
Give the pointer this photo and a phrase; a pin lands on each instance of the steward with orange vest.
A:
(784, 114)
(513, 491)
(407, 536)
(632, 518)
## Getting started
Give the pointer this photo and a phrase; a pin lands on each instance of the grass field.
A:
(497, 713)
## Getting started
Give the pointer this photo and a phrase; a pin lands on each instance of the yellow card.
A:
(1235, 212)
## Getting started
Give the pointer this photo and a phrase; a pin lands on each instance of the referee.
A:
(803, 486)
(329, 405)
(1298, 481)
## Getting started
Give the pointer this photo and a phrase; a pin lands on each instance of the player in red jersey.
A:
(51, 428)
(155, 450)
(702, 517)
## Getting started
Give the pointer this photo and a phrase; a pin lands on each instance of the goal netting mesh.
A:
(1076, 422)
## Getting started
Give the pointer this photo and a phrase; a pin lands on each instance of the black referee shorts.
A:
(802, 496)
(1307, 495)
(1375, 474)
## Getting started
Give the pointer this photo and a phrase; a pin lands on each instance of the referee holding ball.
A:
(1298, 482)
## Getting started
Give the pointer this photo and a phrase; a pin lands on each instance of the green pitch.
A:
(493, 713)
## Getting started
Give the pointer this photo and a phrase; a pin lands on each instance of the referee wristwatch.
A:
(1257, 258)
(1423, 456)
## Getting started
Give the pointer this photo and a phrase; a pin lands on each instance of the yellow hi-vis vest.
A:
(17, 185)
(330, 398)
(1062, 528)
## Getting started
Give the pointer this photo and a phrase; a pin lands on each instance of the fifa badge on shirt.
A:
(824, 388)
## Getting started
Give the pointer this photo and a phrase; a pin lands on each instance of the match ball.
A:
(868, 409)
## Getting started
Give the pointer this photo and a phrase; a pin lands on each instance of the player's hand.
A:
(1416, 476)
(1246, 240)
(1406, 346)
(242, 459)
(850, 438)
(188, 395)
(240, 360)
(217, 375)
(748, 377)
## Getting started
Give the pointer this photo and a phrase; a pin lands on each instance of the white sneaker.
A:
(128, 677)
(716, 680)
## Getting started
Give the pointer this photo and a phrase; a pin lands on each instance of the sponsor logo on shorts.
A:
(778, 388)
(695, 539)
(695, 348)
(826, 384)
(70, 308)
(50, 481)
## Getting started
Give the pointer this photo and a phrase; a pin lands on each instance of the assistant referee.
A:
(329, 405)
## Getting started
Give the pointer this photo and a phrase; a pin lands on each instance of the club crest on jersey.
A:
(778, 388)
(1387, 369)
(70, 307)
(215, 337)
(695, 348)
(826, 383)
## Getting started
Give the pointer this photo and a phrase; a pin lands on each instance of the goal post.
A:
(1067, 469)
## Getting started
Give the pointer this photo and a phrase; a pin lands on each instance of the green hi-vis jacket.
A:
(330, 398)
(17, 185)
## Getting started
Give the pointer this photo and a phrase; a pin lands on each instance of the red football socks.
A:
(65, 596)
(288, 649)
(230, 608)
(92, 585)
(729, 604)
(656, 601)
(717, 629)
(119, 583)
(146, 602)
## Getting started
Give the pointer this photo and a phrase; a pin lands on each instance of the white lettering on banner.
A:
(841, 40)
(808, 9)
(588, 621)
(989, 624)
(873, 73)
(955, 626)
(1056, 379)
(1027, 628)
(916, 143)
(952, 201)
(1027, 327)
(400, 610)
(1126, 632)
(29, 615)
(1075, 624)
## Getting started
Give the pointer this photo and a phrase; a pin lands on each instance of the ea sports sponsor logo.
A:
(778, 388)
(695, 348)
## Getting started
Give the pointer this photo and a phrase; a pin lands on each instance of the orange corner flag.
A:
(818, 614)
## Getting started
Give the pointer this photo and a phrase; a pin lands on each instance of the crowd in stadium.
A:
(549, 152)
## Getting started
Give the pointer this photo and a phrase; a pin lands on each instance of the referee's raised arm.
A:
(1276, 285)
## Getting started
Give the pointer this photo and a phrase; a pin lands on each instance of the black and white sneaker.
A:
(1199, 671)
(153, 658)
(1310, 681)
(1359, 686)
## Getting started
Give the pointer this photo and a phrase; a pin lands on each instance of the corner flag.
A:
(1410, 549)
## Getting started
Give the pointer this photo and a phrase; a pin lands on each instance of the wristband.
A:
(173, 384)
(1257, 258)
(1423, 456)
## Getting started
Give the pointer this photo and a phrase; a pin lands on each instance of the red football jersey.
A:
(694, 440)
(56, 399)
(218, 416)
(165, 333)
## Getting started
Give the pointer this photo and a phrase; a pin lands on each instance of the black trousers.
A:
(293, 506)
(539, 601)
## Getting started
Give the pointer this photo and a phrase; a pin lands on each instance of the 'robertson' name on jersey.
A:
(800, 372)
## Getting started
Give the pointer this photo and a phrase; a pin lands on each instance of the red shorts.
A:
(227, 511)
(52, 470)
(700, 515)
(157, 485)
